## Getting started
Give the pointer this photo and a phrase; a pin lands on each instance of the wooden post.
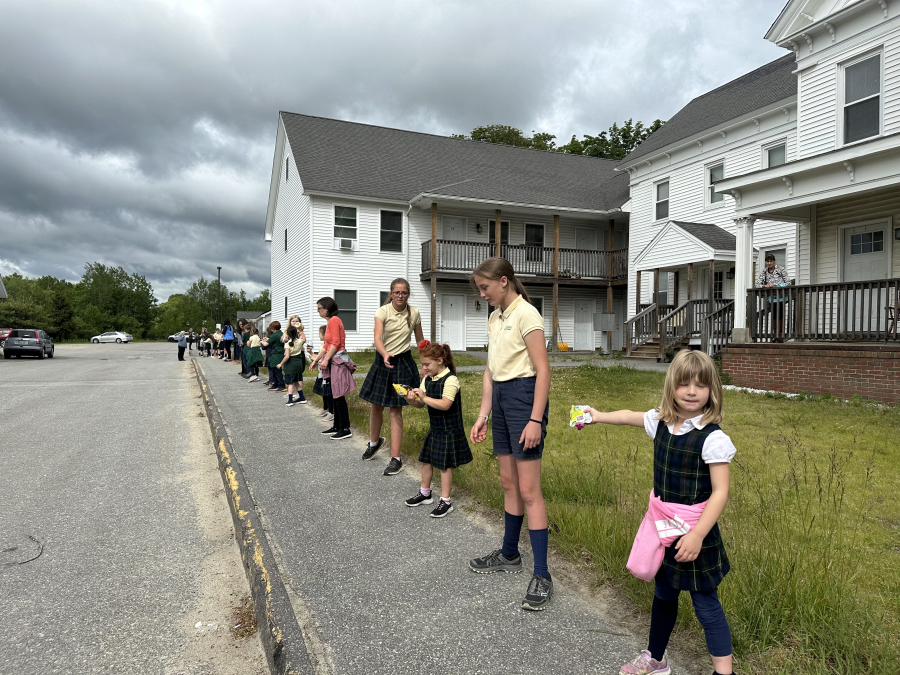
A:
(711, 307)
(554, 345)
(690, 295)
(637, 294)
(498, 231)
(675, 289)
(656, 289)
(433, 337)
(609, 310)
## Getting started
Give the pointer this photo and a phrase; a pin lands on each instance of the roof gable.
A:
(798, 15)
(769, 84)
(363, 160)
(678, 243)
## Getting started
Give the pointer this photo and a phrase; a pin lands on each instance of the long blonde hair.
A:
(495, 269)
(686, 366)
(300, 327)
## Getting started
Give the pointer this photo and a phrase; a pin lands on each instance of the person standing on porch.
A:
(773, 276)
(516, 389)
(395, 323)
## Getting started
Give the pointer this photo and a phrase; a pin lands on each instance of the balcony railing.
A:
(465, 256)
(843, 312)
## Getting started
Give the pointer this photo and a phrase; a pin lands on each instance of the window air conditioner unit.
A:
(346, 244)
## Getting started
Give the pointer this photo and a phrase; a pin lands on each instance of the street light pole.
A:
(219, 302)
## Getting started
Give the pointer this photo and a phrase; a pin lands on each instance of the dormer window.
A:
(862, 99)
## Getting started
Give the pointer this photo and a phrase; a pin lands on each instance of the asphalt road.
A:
(380, 588)
(98, 449)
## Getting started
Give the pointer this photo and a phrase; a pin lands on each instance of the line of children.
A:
(298, 324)
(275, 352)
(322, 386)
(337, 367)
(254, 358)
(445, 447)
(395, 323)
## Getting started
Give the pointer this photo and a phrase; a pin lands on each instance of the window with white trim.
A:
(776, 155)
(867, 242)
(346, 302)
(662, 200)
(344, 222)
(862, 99)
(534, 242)
(718, 285)
(714, 172)
(392, 231)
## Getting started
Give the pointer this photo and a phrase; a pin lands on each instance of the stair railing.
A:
(641, 328)
(675, 327)
(717, 329)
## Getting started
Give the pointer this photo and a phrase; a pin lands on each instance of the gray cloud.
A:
(141, 134)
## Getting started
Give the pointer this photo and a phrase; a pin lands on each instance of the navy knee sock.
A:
(539, 548)
(662, 623)
(511, 535)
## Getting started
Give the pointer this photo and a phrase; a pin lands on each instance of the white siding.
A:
(892, 85)
(368, 270)
(818, 110)
(290, 269)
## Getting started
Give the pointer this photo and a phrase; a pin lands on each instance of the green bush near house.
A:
(812, 527)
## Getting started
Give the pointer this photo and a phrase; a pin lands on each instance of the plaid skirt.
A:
(378, 388)
(446, 449)
(322, 387)
(293, 378)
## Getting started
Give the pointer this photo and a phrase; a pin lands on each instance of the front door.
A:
(453, 228)
(866, 252)
(453, 321)
(584, 325)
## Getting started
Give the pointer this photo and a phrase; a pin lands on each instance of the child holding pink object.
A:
(691, 457)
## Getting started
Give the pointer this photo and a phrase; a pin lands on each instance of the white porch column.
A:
(743, 273)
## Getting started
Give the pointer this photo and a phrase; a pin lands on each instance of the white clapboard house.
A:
(353, 206)
(800, 158)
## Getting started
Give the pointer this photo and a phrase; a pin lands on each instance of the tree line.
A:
(614, 143)
(108, 298)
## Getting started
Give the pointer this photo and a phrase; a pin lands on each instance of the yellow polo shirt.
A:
(397, 330)
(253, 341)
(451, 386)
(507, 354)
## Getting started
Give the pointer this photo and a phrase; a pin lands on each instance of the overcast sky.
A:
(141, 133)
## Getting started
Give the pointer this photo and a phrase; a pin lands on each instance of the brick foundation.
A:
(870, 371)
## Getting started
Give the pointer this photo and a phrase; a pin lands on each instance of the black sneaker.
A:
(538, 594)
(372, 449)
(419, 498)
(443, 508)
(496, 562)
(289, 403)
(302, 401)
(342, 435)
(393, 466)
(329, 432)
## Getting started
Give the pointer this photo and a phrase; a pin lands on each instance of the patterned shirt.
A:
(777, 276)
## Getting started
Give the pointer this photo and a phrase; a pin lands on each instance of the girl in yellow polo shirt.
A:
(395, 323)
(516, 390)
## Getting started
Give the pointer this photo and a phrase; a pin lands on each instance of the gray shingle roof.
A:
(711, 235)
(369, 161)
(764, 86)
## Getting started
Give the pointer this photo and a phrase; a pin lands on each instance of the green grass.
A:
(812, 528)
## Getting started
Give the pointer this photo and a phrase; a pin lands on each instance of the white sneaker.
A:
(253, 379)
(329, 417)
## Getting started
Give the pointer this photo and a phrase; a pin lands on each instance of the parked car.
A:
(28, 342)
(112, 336)
(4, 333)
(174, 337)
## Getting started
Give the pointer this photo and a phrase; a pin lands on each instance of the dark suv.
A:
(28, 341)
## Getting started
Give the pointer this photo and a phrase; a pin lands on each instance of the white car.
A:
(112, 336)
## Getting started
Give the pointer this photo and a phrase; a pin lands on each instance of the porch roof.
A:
(679, 243)
(787, 191)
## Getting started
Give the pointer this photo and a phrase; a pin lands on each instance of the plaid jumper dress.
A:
(445, 445)
(378, 387)
(681, 476)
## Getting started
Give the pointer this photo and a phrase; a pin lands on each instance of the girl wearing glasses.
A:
(395, 323)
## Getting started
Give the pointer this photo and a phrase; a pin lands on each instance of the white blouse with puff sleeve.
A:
(716, 448)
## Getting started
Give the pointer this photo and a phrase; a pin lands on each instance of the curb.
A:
(281, 636)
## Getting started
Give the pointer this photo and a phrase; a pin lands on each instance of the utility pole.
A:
(219, 302)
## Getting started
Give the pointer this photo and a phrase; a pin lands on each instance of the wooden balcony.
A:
(606, 267)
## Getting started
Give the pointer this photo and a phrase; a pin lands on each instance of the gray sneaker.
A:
(495, 562)
(538, 594)
(393, 467)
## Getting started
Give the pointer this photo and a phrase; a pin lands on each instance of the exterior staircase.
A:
(649, 351)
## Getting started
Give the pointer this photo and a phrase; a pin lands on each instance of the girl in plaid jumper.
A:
(691, 457)
(445, 446)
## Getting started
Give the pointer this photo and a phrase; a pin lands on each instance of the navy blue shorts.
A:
(511, 407)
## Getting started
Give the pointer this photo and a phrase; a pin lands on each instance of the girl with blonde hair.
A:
(691, 459)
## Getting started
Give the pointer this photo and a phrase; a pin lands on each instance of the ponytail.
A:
(495, 269)
(293, 334)
(436, 351)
